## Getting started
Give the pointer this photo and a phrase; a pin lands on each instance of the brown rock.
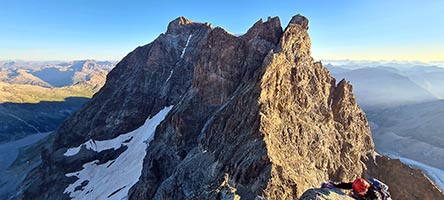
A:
(175, 26)
(300, 20)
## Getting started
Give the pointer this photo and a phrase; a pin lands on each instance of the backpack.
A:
(381, 187)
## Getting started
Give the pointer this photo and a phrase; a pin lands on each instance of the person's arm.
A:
(343, 185)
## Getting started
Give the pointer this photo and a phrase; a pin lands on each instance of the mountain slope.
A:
(381, 87)
(415, 129)
(30, 109)
(18, 93)
(30, 105)
(251, 117)
(431, 81)
(18, 120)
(18, 158)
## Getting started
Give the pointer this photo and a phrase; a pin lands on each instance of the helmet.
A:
(360, 185)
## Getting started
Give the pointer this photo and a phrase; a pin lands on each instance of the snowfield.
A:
(112, 180)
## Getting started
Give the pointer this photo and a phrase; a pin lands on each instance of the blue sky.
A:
(106, 29)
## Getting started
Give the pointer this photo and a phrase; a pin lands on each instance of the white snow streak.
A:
(186, 45)
(171, 73)
(112, 180)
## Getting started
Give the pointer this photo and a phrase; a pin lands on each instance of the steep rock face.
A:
(145, 81)
(254, 117)
(189, 160)
(278, 122)
(314, 130)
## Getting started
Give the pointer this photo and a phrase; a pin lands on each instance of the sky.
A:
(403, 30)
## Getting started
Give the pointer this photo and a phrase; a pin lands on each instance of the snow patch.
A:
(99, 146)
(113, 179)
(186, 45)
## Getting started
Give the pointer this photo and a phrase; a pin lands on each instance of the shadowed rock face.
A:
(254, 116)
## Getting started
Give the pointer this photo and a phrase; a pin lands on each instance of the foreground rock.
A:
(324, 194)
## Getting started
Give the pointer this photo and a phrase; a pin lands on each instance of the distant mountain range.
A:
(28, 82)
(355, 64)
(48, 74)
(387, 84)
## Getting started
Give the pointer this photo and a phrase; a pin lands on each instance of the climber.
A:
(373, 189)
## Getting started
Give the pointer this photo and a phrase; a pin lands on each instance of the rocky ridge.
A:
(254, 117)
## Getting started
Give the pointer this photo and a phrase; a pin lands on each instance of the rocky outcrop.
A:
(324, 194)
(254, 117)
(313, 129)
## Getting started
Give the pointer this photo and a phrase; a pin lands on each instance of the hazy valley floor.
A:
(10, 152)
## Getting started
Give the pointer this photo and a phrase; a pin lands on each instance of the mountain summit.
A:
(200, 113)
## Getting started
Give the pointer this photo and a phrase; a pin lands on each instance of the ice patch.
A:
(113, 179)
(186, 45)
